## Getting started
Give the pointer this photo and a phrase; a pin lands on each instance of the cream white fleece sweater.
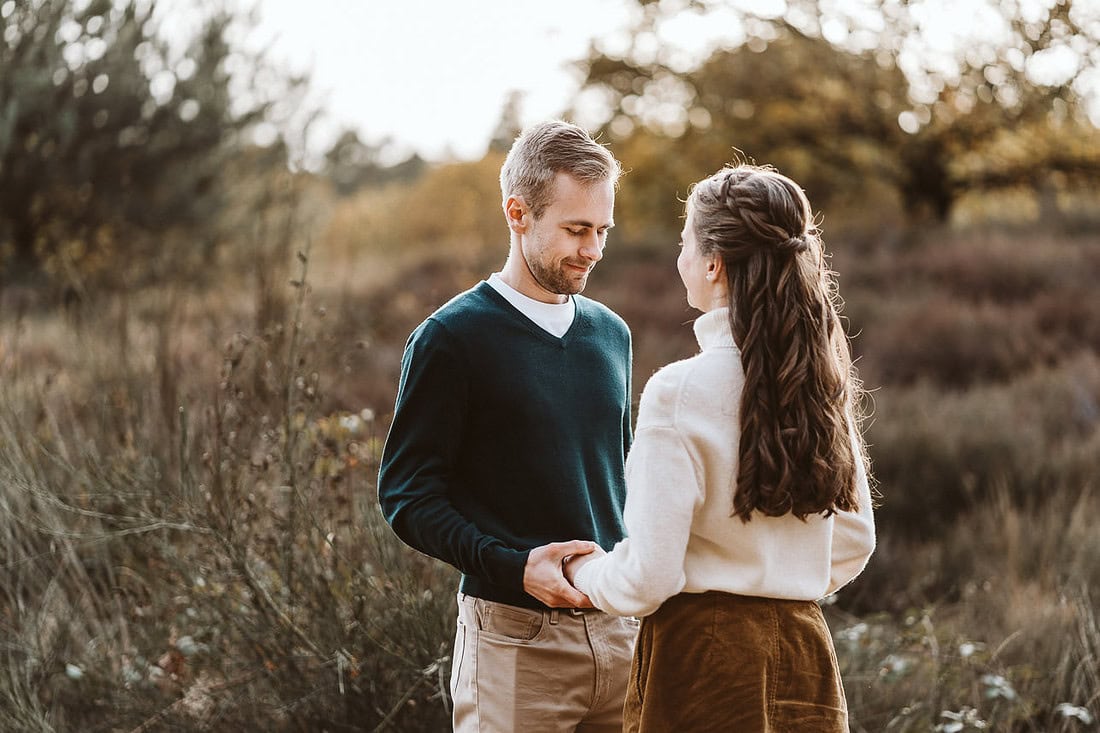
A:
(680, 475)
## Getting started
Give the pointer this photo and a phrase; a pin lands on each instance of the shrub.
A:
(994, 621)
(938, 453)
(451, 209)
(1007, 269)
(228, 569)
(951, 343)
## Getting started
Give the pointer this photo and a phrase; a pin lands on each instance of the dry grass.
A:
(998, 618)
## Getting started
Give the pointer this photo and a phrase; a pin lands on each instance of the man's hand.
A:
(543, 578)
(576, 562)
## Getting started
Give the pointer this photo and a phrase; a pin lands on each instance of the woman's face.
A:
(693, 267)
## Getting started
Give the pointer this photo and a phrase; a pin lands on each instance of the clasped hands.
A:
(550, 570)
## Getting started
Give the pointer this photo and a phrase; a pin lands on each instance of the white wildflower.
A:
(853, 633)
(1066, 710)
(187, 646)
(967, 717)
(894, 664)
(351, 423)
(998, 686)
(967, 648)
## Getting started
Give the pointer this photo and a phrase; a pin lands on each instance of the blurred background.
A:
(219, 223)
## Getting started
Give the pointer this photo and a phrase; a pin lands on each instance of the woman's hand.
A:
(570, 565)
(543, 575)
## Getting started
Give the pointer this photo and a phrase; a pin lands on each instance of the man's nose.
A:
(592, 249)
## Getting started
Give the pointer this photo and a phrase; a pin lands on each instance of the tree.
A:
(837, 101)
(508, 126)
(788, 103)
(112, 148)
(351, 164)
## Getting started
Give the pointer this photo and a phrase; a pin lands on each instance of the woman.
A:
(747, 489)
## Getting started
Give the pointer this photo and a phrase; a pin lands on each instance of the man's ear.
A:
(517, 214)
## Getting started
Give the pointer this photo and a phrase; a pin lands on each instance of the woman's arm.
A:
(853, 532)
(663, 491)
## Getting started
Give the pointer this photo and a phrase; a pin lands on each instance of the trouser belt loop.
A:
(554, 616)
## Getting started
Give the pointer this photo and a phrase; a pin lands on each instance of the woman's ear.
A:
(517, 214)
(716, 268)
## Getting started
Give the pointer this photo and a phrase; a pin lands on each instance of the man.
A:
(506, 451)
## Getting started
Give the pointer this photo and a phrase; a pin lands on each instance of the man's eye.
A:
(576, 232)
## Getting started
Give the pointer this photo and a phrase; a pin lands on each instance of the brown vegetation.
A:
(192, 408)
(191, 540)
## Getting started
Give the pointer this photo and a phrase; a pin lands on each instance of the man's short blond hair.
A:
(546, 149)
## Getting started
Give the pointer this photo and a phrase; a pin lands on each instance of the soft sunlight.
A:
(432, 77)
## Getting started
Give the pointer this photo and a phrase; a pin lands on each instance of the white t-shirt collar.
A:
(554, 318)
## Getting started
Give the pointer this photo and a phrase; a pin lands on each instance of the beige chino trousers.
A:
(530, 671)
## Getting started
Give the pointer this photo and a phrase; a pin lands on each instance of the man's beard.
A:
(554, 278)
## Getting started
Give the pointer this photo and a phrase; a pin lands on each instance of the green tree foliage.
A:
(351, 164)
(113, 147)
(508, 126)
(843, 103)
(763, 105)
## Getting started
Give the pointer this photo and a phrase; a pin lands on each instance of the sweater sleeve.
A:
(853, 532)
(663, 492)
(414, 479)
(628, 434)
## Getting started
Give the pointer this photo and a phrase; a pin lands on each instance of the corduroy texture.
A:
(726, 663)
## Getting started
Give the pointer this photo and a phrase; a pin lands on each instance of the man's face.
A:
(563, 245)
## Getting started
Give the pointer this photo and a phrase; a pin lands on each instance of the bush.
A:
(999, 268)
(938, 453)
(226, 569)
(952, 343)
(450, 210)
(958, 308)
(117, 164)
(995, 622)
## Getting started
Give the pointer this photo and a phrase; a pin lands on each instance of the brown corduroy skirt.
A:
(721, 662)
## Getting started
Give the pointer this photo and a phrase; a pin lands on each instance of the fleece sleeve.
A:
(664, 489)
(414, 479)
(853, 532)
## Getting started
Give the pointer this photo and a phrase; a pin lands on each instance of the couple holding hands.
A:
(738, 501)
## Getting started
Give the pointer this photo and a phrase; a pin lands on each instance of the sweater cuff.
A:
(510, 565)
(583, 577)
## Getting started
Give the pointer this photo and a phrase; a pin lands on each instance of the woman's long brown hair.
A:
(801, 391)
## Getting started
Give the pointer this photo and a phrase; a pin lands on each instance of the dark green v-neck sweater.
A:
(505, 437)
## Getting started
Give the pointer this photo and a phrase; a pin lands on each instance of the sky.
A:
(433, 75)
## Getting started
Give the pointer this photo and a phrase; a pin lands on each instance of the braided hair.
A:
(801, 392)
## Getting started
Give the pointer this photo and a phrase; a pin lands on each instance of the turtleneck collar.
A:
(712, 330)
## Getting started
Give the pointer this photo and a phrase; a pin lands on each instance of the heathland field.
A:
(201, 328)
(191, 539)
